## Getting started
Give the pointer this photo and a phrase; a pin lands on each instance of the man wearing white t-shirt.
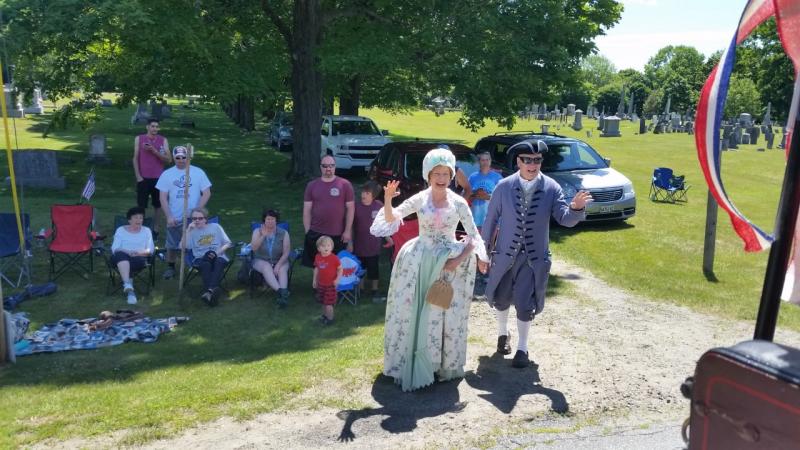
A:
(171, 186)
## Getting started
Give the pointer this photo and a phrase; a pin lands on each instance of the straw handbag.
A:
(441, 292)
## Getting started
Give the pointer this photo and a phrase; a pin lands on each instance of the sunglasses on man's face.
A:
(529, 160)
(180, 157)
(199, 218)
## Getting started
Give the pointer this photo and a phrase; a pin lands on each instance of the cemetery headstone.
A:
(37, 168)
(37, 105)
(724, 144)
(754, 134)
(571, 109)
(577, 125)
(166, 111)
(745, 120)
(745, 139)
(783, 138)
(642, 126)
(733, 143)
(106, 102)
(611, 127)
(770, 140)
(97, 149)
(141, 115)
(737, 134)
(600, 122)
(155, 110)
(13, 106)
(545, 128)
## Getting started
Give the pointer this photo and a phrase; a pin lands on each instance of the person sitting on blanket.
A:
(208, 243)
(133, 243)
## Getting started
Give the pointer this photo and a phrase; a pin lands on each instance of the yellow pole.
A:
(14, 197)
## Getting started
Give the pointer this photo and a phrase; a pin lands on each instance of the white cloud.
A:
(633, 50)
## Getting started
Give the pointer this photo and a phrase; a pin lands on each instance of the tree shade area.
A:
(492, 58)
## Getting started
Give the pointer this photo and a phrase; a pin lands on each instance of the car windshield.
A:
(354, 127)
(286, 120)
(566, 156)
(413, 168)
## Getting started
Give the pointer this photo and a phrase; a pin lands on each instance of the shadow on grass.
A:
(404, 409)
(560, 234)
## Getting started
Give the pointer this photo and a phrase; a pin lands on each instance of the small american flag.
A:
(88, 189)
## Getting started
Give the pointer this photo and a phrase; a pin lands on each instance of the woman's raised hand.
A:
(390, 191)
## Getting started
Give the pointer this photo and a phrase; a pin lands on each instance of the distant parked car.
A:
(576, 166)
(403, 161)
(279, 134)
(352, 140)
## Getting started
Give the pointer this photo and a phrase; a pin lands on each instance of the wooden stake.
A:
(186, 185)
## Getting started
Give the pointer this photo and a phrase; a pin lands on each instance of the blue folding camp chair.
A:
(666, 187)
(254, 277)
(349, 287)
(193, 272)
(14, 262)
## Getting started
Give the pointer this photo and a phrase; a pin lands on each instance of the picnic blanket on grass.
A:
(104, 331)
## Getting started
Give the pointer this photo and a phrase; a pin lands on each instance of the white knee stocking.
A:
(502, 322)
(523, 328)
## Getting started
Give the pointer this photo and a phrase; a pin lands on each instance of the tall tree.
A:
(762, 59)
(680, 72)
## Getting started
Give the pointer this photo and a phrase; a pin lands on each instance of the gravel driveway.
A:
(606, 363)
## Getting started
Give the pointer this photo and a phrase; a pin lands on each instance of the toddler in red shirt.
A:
(327, 271)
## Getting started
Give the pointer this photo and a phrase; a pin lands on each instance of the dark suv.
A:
(403, 161)
(576, 166)
(279, 134)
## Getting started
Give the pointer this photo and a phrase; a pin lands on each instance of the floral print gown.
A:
(421, 339)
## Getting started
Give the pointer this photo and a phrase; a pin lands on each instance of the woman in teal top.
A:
(271, 247)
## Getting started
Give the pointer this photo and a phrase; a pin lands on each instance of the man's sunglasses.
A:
(529, 160)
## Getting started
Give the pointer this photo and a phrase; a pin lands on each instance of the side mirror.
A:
(608, 161)
(385, 132)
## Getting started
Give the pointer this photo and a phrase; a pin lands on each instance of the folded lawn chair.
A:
(71, 239)
(15, 262)
(147, 274)
(349, 287)
(666, 187)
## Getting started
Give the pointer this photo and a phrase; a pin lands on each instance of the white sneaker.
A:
(131, 298)
(127, 287)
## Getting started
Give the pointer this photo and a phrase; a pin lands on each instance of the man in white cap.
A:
(172, 189)
(519, 215)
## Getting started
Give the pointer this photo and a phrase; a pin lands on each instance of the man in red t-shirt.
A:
(328, 209)
(150, 153)
(327, 272)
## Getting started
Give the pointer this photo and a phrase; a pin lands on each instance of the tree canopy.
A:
(493, 57)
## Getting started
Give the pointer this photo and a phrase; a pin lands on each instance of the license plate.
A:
(606, 208)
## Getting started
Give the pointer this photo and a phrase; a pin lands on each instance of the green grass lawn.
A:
(246, 356)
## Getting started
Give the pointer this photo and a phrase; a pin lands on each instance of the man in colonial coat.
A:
(517, 234)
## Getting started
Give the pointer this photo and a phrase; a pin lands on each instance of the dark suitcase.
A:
(746, 397)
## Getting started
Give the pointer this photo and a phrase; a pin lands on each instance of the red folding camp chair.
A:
(72, 238)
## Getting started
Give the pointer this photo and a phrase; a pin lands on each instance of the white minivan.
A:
(353, 141)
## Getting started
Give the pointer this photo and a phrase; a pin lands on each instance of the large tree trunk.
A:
(306, 88)
(350, 100)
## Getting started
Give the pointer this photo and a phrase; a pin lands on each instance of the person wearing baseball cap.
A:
(519, 215)
(172, 189)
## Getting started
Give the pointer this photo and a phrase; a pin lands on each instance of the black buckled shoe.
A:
(502, 345)
(520, 360)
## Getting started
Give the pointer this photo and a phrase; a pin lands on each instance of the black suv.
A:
(576, 166)
(403, 161)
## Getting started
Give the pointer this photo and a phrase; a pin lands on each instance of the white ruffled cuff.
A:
(381, 228)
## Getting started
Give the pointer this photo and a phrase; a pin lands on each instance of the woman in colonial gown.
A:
(423, 342)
